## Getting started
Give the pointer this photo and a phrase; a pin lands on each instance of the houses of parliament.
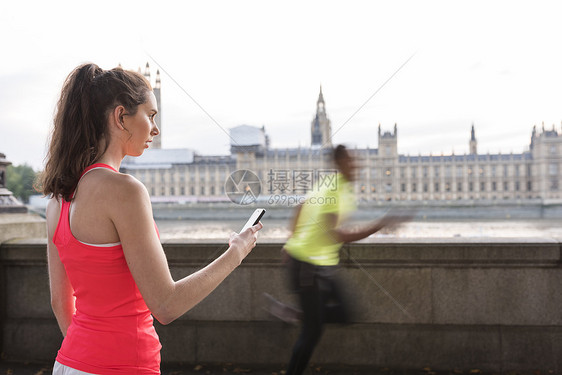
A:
(183, 175)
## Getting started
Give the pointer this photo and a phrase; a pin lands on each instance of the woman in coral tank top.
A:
(108, 273)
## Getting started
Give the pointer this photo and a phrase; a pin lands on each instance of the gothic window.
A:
(459, 171)
(362, 174)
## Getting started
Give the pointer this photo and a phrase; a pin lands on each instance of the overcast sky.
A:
(432, 67)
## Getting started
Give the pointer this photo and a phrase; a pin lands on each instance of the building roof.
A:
(462, 158)
(302, 151)
(159, 158)
(246, 135)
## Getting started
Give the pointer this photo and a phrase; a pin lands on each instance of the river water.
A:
(277, 229)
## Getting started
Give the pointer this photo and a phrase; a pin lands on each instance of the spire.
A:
(147, 72)
(320, 105)
(473, 145)
(320, 96)
(157, 85)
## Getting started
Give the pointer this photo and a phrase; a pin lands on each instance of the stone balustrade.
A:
(488, 303)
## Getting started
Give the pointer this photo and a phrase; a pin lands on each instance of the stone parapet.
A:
(486, 303)
(21, 225)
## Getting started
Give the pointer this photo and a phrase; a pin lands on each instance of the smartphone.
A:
(254, 219)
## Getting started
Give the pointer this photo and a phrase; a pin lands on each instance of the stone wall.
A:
(492, 304)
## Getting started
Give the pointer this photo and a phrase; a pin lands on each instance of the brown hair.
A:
(339, 153)
(80, 133)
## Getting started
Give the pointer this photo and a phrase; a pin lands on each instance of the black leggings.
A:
(322, 301)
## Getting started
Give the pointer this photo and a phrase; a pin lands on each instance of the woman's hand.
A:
(244, 242)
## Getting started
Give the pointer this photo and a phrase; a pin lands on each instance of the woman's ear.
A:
(117, 116)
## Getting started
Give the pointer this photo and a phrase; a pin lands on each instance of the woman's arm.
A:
(62, 298)
(131, 213)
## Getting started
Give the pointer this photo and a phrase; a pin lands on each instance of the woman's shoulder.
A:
(125, 185)
(115, 187)
(52, 213)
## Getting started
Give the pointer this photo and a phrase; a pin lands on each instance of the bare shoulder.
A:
(122, 191)
(53, 207)
(52, 214)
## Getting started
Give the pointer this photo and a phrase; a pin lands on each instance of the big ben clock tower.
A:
(321, 131)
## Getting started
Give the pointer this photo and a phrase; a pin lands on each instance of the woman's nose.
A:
(155, 130)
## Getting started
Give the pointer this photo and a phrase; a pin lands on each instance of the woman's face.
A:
(141, 127)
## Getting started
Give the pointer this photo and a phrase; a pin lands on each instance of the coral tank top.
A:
(112, 330)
